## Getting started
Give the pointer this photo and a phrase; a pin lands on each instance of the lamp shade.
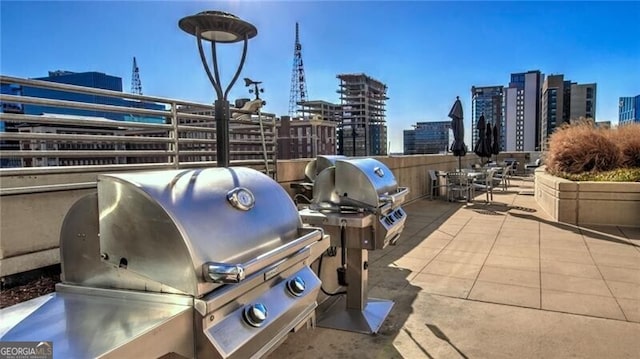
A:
(218, 26)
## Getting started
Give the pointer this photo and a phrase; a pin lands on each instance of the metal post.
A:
(222, 115)
(175, 135)
(357, 278)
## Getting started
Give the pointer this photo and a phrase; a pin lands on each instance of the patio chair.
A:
(487, 184)
(434, 184)
(459, 183)
(503, 177)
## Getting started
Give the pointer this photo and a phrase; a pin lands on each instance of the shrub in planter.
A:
(579, 148)
(627, 137)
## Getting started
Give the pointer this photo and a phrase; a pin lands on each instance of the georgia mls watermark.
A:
(26, 350)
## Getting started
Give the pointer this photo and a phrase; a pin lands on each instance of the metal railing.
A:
(48, 135)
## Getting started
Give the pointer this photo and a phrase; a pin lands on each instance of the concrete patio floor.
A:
(496, 281)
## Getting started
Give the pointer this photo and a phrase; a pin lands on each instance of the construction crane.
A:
(298, 92)
(136, 84)
(136, 89)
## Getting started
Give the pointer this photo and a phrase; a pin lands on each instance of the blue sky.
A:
(426, 52)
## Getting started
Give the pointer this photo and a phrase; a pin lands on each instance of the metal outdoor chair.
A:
(459, 183)
(487, 184)
(503, 177)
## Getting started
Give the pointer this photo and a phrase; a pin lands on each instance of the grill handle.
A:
(395, 198)
(235, 273)
(223, 273)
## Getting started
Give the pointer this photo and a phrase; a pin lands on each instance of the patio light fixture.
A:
(222, 27)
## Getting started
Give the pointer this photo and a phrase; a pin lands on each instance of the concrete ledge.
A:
(588, 203)
(29, 261)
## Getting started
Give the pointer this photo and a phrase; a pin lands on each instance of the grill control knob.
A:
(296, 286)
(255, 314)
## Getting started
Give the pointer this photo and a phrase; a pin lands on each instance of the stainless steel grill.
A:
(208, 263)
(358, 203)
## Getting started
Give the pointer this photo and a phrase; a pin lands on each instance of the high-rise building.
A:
(563, 101)
(363, 129)
(326, 111)
(306, 137)
(487, 101)
(629, 110)
(427, 138)
(583, 101)
(92, 79)
(521, 128)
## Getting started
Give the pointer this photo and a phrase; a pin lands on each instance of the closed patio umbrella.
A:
(488, 133)
(458, 147)
(495, 147)
(482, 149)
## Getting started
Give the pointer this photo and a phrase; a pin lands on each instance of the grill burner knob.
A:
(255, 314)
(296, 286)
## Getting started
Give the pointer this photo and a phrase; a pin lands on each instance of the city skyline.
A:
(424, 51)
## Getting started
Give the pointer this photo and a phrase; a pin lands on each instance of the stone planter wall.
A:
(588, 203)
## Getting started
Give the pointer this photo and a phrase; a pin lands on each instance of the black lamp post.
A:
(218, 26)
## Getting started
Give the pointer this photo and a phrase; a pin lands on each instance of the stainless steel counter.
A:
(82, 324)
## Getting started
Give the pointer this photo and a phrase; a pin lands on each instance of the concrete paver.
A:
(575, 284)
(510, 276)
(620, 274)
(495, 260)
(625, 290)
(451, 255)
(613, 260)
(443, 285)
(498, 281)
(630, 308)
(517, 250)
(453, 269)
(566, 255)
(578, 303)
(570, 269)
(506, 294)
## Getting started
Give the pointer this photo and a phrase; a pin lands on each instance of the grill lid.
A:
(318, 165)
(188, 228)
(363, 182)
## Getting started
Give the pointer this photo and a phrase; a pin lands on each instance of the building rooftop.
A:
(496, 281)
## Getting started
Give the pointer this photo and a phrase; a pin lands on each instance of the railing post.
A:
(175, 136)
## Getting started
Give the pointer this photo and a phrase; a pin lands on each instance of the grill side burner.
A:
(357, 202)
(214, 263)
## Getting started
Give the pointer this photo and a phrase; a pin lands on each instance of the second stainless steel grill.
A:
(358, 203)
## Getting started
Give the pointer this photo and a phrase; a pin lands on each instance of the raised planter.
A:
(588, 203)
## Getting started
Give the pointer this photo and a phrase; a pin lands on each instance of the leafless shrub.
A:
(627, 137)
(581, 147)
